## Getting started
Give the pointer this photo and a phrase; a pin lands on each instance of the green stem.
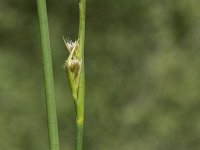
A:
(81, 91)
(48, 76)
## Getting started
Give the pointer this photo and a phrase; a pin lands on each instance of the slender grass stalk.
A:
(76, 74)
(81, 91)
(48, 76)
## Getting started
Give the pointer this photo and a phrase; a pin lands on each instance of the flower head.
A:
(70, 44)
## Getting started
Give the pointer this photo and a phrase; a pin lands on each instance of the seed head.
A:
(74, 65)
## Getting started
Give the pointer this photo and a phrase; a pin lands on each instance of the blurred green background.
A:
(142, 75)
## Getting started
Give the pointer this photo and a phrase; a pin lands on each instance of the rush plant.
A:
(74, 66)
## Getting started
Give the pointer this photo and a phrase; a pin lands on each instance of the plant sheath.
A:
(48, 76)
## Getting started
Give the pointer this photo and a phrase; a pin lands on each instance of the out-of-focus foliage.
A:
(142, 75)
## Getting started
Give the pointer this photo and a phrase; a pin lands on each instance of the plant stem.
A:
(81, 91)
(48, 76)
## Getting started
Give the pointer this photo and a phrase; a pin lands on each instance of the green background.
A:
(142, 75)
